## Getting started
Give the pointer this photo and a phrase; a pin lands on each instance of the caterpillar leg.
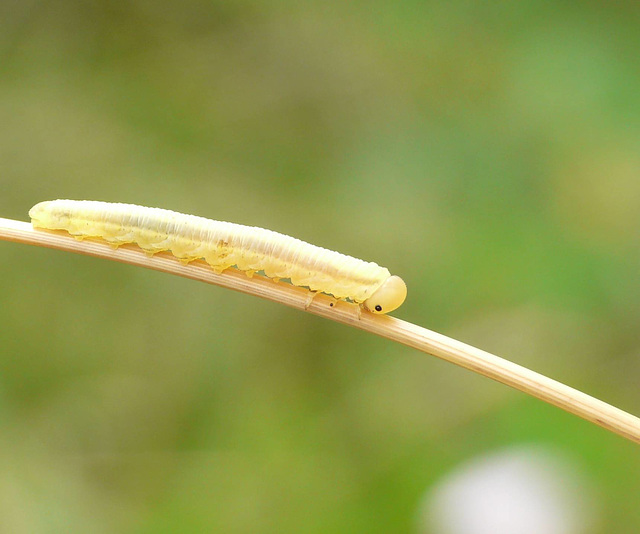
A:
(310, 298)
(359, 314)
(216, 267)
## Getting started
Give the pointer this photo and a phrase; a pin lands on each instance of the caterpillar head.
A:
(389, 296)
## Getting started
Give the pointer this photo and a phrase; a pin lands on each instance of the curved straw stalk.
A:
(466, 356)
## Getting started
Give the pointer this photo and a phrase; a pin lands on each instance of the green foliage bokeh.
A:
(488, 154)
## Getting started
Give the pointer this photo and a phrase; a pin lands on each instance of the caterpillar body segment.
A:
(224, 245)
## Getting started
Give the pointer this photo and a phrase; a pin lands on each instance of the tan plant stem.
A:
(466, 356)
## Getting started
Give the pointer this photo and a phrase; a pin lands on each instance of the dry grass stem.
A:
(477, 360)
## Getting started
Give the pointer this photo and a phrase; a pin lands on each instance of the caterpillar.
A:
(223, 245)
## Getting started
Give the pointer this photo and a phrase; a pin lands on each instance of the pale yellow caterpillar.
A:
(223, 245)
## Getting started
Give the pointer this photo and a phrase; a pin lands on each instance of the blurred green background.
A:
(487, 153)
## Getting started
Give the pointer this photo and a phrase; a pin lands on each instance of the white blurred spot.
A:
(528, 490)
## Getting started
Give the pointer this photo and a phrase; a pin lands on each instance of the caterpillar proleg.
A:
(223, 245)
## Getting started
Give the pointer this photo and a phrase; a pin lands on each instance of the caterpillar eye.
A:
(378, 308)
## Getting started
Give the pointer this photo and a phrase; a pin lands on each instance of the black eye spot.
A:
(378, 308)
(331, 304)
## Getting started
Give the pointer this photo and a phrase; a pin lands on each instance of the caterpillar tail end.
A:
(40, 214)
(50, 214)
